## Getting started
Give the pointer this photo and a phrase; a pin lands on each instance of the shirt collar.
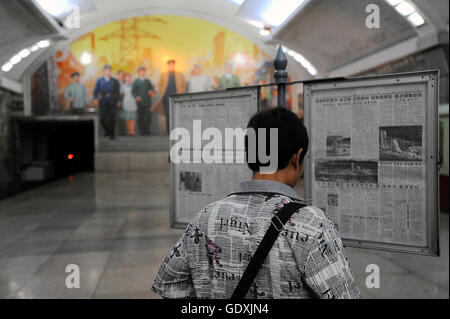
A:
(262, 186)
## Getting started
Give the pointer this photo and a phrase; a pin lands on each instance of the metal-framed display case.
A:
(194, 183)
(373, 159)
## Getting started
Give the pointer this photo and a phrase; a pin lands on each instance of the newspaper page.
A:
(368, 161)
(194, 185)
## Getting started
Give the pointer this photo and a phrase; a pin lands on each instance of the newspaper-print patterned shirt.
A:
(306, 261)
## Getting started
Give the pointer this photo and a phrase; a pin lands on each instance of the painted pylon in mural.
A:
(91, 37)
(219, 48)
(130, 35)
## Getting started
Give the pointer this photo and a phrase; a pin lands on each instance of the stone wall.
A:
(10, 104)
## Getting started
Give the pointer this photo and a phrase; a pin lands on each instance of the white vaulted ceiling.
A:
(22, 25)
(95, 13)
(331, 34)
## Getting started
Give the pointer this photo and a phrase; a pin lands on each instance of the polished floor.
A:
(115, 227)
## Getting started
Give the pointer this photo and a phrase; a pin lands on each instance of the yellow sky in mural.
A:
(152, 40)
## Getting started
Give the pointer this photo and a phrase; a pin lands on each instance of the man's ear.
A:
(295, 159)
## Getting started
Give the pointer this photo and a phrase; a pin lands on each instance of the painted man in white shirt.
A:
(198, 82)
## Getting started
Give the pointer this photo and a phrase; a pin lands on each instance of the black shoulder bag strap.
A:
(277, 224)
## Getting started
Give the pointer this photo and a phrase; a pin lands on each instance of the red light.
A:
(70, 156)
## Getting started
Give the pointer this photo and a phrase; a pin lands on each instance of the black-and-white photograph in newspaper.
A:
(401, 143)
(347, 171)
(338, 145)
(190, 182)
(333, 200)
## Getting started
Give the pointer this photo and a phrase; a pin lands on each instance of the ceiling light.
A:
(276, 12)
(257, 24)
(7, 67)
(264, 32)
(404, 8)
(43, 44)
(24, 53)
(15, 59)
(416, 19)
(393, 2)
(54, 7)
(312, 70)
(239, 59)
(300, 59)
(86, 58)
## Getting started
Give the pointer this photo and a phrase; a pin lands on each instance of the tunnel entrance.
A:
(50, 149)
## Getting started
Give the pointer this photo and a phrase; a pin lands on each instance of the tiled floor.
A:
(134, 143)
(115, 227)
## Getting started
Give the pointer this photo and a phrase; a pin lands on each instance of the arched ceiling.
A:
(333, 36)
(95, 13)
(23, 24)
(329, 33)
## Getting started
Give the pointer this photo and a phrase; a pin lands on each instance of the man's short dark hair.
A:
(171, 61)
(292, 135)
(74, 74)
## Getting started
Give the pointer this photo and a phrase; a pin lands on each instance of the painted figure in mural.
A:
(129, 105)
(171, 82)
(229, 79)
(121, 124)
(266, 95)
(107, 96)
(143, 92)
(76, 95)
(120, 75)
(198, 82)
(215, 83)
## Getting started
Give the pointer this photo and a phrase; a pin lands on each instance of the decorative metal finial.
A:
(281, 75)
(280, 61)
